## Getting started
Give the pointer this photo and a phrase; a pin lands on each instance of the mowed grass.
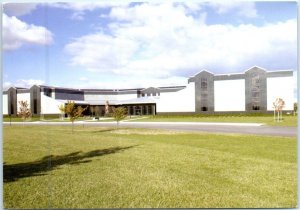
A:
(288, 120)
(133, 168)
(19, 119)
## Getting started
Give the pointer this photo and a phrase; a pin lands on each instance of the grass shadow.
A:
(110, 129)
(40, 167)
(104, 130)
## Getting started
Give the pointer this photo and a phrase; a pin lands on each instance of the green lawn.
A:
(107, 168)
(56, 119)
(288, 120)
(18, 119)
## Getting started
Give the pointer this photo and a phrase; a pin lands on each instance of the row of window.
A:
(150, 94)
(254, 107)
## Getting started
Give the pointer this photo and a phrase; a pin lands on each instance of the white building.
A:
(255, 90)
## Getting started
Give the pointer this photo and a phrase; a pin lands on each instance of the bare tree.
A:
(24, 112)
(106, 108)
(278, 105)
(92, 110)
(97, 112)
(62, 111)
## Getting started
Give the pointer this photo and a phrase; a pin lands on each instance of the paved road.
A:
(242, 128)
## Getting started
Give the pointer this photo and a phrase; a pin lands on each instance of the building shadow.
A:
(40, 167)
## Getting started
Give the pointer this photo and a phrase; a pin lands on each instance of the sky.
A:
(137, 45)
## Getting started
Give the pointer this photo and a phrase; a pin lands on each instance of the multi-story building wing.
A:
(255, 90)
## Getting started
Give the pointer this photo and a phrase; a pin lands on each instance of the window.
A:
(204, 95)
(35, 102)
(48, 92)
(12, 107)
(203, 83)
(255, 94)
(204, 108)
(143, 94)
(34, 106)
(255, 82)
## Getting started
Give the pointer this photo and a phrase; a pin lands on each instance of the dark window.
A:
(131, 110)
(204, 83)
(255, 107)
(148, 94)
(204, 108)
(145, 110)
(48, 92)
(34, 96)
(11, 108)
(150, 110)
(34, 106)
(12, 104)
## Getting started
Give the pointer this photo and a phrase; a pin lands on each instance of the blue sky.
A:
(128, 45)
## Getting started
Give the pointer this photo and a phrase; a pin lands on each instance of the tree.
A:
(107, 108)
(119, 114)
(73, 112)
(278, 105)
(97, 112)
(24, 112)
(62, 111)
(295, 108)
(92, 110)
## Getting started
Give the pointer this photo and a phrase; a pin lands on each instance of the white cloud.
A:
(114, 52)
(242, 8)
(25, 83)
(157, 41)
(17, 33)
(18, 9)
(88, 5)
(79, 8)
(84, 79)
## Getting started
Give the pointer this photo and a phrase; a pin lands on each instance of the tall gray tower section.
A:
(256, 90)
(204, 91)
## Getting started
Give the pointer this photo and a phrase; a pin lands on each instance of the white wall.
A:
(109, 97)
(126, 96)
(23, 97)
(230, 95)
(49, 105)
(180, 101)
(5, 104)
(91, 97)
(280, 87)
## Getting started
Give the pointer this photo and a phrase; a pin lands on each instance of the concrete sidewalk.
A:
(209, 127)
(128, 122)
